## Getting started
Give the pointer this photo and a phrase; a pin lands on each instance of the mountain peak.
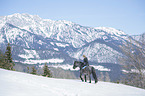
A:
(31, 31)
(111, 31)
(23, 14)
(61, 30)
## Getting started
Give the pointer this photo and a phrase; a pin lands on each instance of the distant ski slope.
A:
(21, 84)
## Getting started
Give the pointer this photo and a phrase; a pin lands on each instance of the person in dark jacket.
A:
(86, 63)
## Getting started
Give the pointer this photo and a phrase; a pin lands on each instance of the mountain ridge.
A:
(61, 36)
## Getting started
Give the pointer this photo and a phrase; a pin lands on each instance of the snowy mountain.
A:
(140, 37)
(34, 38)
(22, 84)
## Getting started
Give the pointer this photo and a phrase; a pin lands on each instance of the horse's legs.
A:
(85, 78)
(81, 77)
(89, 78)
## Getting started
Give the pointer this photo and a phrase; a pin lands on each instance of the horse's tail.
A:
(94, 74)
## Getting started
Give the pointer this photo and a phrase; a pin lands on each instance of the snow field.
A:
(21, 84)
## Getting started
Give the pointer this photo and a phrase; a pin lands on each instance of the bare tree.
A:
(107, 77)
(101, 78)
(133, 60)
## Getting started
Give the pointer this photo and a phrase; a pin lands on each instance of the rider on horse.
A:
(86, 63)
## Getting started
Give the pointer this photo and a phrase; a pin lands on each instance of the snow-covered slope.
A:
(22, 84)
(140, 37)
(64, 31)
(98, 51)
(61, 30)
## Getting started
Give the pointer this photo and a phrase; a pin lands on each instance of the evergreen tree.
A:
(47, 72)
(34, 71)
(8, 53)
(2, 60)
(8, 58)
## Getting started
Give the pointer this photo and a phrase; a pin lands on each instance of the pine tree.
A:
(8, 58)
(34, 71)
(8, 53)
(47, 72)
(2, 60)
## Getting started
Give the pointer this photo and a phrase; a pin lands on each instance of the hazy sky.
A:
(126, 15)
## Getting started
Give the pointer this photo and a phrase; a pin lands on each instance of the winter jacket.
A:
(86, 63)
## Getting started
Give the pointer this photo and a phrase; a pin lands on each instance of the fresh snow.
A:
(1, 39)
(97, 52)
(61, 45)
(70, 67)
(29, 54)
(61, 30)
(14, 83)
(111, 31)
(56, 49)
(64, 66)
(53, 60)
(31, 31)
(134, 71)
(51, 43)
(101, 68)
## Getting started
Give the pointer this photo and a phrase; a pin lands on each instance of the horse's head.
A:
(76, 64)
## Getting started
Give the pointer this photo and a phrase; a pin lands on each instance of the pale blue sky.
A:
(126, 15)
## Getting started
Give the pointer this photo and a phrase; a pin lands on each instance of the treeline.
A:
(6, 62)
(46, 71)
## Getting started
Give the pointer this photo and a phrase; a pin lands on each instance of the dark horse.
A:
(86, 71)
